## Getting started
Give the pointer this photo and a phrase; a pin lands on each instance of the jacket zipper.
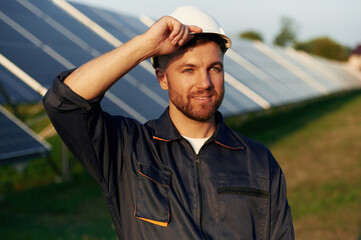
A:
(197, 162)
(243, 191)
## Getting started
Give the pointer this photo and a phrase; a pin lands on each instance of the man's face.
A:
(194, 79)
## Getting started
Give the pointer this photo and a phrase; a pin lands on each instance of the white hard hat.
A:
(191, 15)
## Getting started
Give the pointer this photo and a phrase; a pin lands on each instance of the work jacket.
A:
(157, 187)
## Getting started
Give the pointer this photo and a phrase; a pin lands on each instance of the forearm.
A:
(95, 77)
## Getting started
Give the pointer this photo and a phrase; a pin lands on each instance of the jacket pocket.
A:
(243, 207)
(152, 199)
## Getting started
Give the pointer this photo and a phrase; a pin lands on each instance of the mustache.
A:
(202, 93)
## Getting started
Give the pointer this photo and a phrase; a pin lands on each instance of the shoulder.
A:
(130, 125)
(250, 144)
(259, 157)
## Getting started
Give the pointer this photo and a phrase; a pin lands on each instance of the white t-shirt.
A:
(196, 143)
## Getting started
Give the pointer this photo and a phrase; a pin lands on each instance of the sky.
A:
(337, 19)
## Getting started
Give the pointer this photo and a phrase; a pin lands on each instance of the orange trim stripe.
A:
(162, 224)
(152, 179)
(229, 147)
(161, 139)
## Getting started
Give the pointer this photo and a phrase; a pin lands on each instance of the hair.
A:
(207, 37)
(197, 40)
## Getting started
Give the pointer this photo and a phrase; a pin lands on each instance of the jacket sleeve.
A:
(89, 133)
(281, 226)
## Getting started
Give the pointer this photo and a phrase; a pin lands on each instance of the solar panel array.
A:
(18, 142)
(40, 38)
(44, 37)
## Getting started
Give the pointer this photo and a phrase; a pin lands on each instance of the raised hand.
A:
(167, 35)
(95, 77)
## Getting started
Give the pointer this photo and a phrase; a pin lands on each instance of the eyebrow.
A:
(217, 63)
(195, 66)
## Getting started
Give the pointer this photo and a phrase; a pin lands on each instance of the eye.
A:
(216, 69)
(188, 70)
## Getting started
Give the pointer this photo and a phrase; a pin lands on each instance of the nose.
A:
(204, 80)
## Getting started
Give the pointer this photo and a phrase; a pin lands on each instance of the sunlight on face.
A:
(195, 81)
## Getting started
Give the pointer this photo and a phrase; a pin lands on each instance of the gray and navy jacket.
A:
(157, 187)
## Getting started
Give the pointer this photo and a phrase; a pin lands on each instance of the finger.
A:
(179, 35)
(194, 29)
(185, 38)
(175, 27)
(189, 34)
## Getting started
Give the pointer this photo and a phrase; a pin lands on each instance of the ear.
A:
(162, 78)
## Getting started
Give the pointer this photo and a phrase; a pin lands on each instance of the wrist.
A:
(143, 47)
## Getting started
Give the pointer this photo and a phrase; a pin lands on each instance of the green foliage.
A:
(320, 198)
(251, 35)
(280, 122)
(36, 172)
(71, 210)
(287, 35)
(324, 47)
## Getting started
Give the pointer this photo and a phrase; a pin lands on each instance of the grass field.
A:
(318, 145)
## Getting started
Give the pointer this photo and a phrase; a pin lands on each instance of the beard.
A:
(194, 111)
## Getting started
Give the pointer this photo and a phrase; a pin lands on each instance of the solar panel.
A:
(45, 37)
(239, 102)
(130, 22)
(82, 34)
(327, 83)
(119, 30)
(27, 51)
(13, 91)
(140, 85)
(18, 143)
(72, 56)
(290, 86)
(348, 78)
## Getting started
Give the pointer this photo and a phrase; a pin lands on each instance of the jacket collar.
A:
(164, 130)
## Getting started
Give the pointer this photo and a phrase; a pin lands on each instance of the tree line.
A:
(287, 36)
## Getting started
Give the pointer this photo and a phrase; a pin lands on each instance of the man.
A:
(185, 175)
